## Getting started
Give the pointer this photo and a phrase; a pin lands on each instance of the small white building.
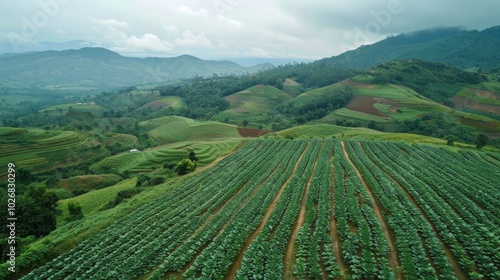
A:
(134, 151)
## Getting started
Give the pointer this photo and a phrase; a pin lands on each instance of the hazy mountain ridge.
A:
(101, 68)
(453, 46)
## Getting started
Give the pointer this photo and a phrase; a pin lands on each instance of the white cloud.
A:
(188, 11)
(111, 23)
(147, 42)
(171, 30)
(190, 39)
(228, 20)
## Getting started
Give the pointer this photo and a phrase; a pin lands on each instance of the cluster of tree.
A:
(331, 99)
(437, 124)
(36, 209)
(436, 81)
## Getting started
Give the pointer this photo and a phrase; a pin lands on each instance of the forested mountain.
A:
(453, 46)
(99, 68)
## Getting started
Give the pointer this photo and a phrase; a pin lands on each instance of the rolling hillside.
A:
(98, 68)
(254, 101)
(177, 129)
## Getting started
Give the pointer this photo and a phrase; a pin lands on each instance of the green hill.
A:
(99, 68)
(453, 46)
(254, 101)
(177, 129)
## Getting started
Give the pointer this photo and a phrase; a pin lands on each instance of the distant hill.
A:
(453, 46)
(99, 68)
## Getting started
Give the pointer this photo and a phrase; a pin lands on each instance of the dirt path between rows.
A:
(239, 258)
(337, 248)
(289, 255)
(393, 258)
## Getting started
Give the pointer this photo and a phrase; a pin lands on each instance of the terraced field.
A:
(309, 209)
(177, 129)
(42, 149)
(148, 160)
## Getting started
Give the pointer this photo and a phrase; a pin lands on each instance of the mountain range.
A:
(450, 45)
(99, 68)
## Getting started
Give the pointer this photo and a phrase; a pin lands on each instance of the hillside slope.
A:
(453, 46)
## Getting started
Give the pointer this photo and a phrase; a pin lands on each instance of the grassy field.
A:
(89, 182)
(386, 91)
(93, 200)
(329, 131)
(63, 109)
(160, 105)
(253, 101)
(177, 129)
(350, 114)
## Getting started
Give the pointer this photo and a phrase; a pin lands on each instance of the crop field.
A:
(42, 149)
(148, 160)
(309, 209)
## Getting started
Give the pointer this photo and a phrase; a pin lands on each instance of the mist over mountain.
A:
(99, 68)
(451, 45)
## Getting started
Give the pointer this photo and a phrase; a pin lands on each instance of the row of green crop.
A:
(419, 248)
(454, 184)
(230, 242)
(264, 257)
(436, 194)
(431, 210)
(146, 234)
(365, 248)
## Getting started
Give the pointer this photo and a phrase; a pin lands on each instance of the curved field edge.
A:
(212, 255)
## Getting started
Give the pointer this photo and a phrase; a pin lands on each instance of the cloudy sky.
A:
(214, 29)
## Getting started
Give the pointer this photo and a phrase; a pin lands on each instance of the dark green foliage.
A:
(437, 125)
(481, 140)
(36, 208)
(453, 46)
(185, 166)
(75, 212)
(450, 140)
(121, 196)
(331, 99)
(436, 81)
(169, 165)
(192, 155)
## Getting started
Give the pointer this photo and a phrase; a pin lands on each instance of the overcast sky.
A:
(214, 29)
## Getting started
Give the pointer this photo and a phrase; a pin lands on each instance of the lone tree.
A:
(481, 140)
(192, 155)
(450, 140)
(185, 166)
(75, 212)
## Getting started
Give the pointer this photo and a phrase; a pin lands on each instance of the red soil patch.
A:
(482, 125)
(365, 104)
(461, 102)
(252, 132)
(485, 93)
